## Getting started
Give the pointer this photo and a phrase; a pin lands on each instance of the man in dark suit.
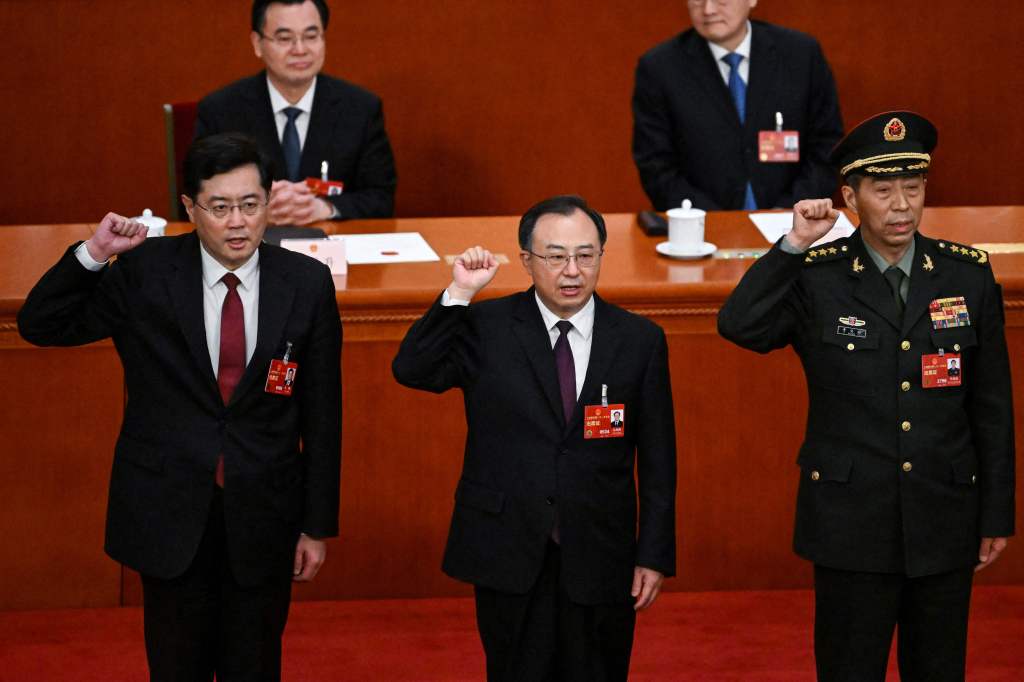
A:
(702, 98)
(906, 480)
(223, 488)
(304, 119)
(545, 520)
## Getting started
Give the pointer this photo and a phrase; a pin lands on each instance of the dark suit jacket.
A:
(688, 142)
(281, 454)
(523, 465)
(895, 478)
(346, 129)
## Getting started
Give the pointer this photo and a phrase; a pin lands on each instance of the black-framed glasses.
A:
(557, 261)
(287, 41)
(249, 207)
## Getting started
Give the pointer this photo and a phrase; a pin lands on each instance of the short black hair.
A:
(563, 204)
(224, 153)
(259, 11)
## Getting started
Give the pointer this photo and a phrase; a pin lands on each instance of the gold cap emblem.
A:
(894, 130)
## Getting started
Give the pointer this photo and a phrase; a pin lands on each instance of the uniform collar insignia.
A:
(857, 267)
(928, 265)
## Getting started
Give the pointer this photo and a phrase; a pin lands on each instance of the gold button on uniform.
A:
(905, 426)
(973, 478)
(907, 466)
(956, 347)
(905, 386)
(850, 346)
(905, 345)
(815, 475)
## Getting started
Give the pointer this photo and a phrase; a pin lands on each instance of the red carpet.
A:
(711, 637)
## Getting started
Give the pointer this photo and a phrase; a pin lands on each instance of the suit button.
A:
(905, 386)
(905, 345)
(815, 475)
(907, 466)
(850, 346)
(549, 500)
(905, 426)
(956, 347)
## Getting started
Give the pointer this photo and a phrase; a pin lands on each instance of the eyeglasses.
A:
(558, 261)
(287, 41)
(701, 3)
(249, 207)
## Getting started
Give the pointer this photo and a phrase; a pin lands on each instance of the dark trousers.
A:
(543, 636)
(855, 615)
(203, 622)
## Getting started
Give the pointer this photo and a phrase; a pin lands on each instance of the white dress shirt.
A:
(743, 49)
(278, 104)
(214, 292)
(581, 335)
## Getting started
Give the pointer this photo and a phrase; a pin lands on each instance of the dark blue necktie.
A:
(738, 90)
(290, 144)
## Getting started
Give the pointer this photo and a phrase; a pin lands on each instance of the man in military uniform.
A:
(907, 470)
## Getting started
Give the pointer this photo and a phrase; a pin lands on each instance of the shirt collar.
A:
(582, 321)
(214, 271)
(278, 103)
(905, 263)
(742, 49)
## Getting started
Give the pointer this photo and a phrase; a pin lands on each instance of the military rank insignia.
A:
(949, 312)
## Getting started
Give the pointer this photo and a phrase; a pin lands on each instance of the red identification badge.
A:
(325, 188)
(940, 370)
(778, 146)
(601, 421)
(281, 375)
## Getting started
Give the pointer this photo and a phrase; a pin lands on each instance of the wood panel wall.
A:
(490, 105)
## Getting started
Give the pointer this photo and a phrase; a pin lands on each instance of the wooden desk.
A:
(738, 436)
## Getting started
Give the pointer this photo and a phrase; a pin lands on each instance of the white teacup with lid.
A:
(157, 225)
(686, 227)
(686, 233)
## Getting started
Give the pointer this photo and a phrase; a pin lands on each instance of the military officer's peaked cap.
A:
(890, 143)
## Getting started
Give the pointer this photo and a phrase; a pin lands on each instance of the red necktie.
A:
(232, 350)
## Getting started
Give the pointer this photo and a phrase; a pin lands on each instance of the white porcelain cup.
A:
(686, 227)
(157, 225)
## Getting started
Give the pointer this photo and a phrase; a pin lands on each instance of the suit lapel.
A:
(924, 281)
(187, 294)
(872, 290)
(528, 328)
(761, 77)
(701, 64)
(319, 127)
(604, 348)
(276, 295)
(262, 125)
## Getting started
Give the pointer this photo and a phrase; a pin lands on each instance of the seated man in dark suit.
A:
(305, 119)
(224, 482)
(703, 98)
(545, 524)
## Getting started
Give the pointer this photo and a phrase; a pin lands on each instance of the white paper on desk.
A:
(773, 225)
(388, 247)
